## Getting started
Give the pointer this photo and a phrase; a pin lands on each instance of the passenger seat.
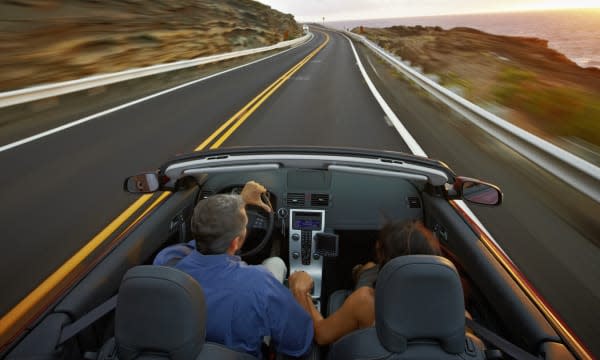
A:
(419, 314)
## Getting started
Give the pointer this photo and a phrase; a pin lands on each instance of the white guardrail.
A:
(575, 171)
(56, 89)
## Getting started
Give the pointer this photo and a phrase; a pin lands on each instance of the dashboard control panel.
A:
(303, 227)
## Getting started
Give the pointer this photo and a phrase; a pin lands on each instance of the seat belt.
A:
(88, 319)
(502, 344)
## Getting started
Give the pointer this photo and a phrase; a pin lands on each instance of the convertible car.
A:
(472, 303)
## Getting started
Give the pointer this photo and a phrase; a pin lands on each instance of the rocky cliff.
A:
(45, 41)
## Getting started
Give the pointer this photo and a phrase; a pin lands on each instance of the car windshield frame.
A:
(388, 159)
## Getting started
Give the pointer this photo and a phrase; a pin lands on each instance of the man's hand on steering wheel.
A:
(254, 193)
(260, 217)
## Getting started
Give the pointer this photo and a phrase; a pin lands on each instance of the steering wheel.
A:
(260, 224)
(259, 221)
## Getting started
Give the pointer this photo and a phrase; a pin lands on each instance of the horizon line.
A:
(512, 11)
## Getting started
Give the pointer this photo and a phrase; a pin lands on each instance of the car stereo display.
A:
(306, 221)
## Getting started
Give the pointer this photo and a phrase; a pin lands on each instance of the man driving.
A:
(244, 303)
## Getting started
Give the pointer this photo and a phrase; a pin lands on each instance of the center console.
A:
(304, 255)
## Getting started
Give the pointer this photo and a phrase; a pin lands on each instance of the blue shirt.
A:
(174, 253)
(244, 303)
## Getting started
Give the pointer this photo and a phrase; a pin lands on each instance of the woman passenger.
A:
(396, 238)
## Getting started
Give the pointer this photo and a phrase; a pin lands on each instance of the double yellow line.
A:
(238, 119)
(11, 323)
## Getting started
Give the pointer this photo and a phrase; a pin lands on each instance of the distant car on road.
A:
(305, 29)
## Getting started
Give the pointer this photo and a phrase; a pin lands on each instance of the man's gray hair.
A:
(216, 221)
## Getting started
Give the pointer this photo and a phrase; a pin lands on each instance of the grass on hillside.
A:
(566, 111)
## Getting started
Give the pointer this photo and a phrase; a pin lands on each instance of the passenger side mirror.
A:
(142, 183)
(477, 191)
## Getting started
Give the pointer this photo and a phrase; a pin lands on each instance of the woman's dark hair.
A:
(398, 238)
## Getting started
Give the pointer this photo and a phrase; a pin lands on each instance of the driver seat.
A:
(161, 314)
(419, 314)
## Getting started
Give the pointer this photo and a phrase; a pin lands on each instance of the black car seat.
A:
(161, 314)
(419, 314)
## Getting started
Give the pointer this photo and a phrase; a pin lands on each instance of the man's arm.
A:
(291, 328)
(358, 311)
(300, 285)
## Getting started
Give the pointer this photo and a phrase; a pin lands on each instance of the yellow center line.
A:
(27, 306)
(277, 84)
(249, 108)
(242, 110)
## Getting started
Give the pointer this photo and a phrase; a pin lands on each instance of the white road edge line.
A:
(373, 67)
(120, 107)
(414, 147)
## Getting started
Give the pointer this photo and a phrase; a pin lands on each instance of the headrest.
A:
(160, 312)
(419, 298)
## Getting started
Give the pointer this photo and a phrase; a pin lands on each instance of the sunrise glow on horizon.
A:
(336, 10)
(561, 5)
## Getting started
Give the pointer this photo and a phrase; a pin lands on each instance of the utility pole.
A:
(323, 20)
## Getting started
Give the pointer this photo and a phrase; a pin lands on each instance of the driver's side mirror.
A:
(142, 183)
(477, 192)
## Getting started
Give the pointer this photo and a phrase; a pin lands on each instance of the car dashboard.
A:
(311, 205)
(349, 201)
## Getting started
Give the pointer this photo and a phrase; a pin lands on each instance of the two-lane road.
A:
(60, 191)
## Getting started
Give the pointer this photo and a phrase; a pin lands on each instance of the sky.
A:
(333, 10)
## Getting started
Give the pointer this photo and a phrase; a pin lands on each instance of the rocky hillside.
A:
(45, 41)
(520, 78)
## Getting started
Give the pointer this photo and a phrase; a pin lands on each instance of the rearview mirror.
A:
(478, 192)
(142, 183)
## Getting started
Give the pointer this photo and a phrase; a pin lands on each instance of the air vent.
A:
(205, 193)
(319, 199)
(295, 199)
(414, 202)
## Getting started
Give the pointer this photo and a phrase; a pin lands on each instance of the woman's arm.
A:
(358, 311)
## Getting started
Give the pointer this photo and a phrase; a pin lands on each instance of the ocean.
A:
(575, 33)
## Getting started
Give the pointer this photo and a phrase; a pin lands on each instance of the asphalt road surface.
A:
(60, 191)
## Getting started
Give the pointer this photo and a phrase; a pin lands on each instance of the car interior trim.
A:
(28, 308)
(434, 176)
(228, 169)
(557, 324)
(368, 171)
